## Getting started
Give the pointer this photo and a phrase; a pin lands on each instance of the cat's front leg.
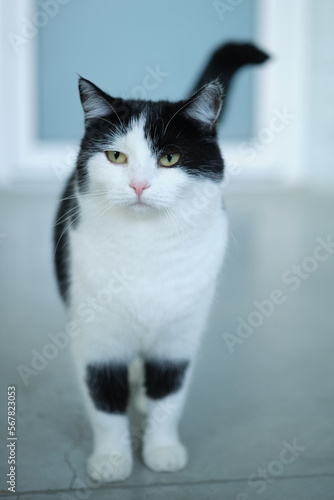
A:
(166, 382)
(108, 389)
(105, 387)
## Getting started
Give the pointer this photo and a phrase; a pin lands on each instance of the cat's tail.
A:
(226, 61)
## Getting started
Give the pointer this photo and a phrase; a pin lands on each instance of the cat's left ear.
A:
(95, 102)
(205, 105)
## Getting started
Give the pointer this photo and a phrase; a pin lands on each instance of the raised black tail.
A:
(226, 61)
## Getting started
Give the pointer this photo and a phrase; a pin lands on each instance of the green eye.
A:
(116, 157)
(169, 160)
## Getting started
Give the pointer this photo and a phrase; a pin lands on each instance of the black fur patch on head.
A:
(164, 377)
(108, 386)
(168, 129)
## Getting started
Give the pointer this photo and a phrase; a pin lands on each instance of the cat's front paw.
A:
(166, 458)
(106, 468)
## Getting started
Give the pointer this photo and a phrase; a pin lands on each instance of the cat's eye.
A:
(169, 160)
(116, 157)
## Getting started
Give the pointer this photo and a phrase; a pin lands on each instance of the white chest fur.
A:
(163, 270)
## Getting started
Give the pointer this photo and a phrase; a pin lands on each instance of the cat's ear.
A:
(205, 105)
(95, 102)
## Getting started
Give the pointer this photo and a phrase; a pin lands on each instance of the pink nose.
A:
(139, 187)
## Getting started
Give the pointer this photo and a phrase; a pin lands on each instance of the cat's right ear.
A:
(205, 105)
(95, 102)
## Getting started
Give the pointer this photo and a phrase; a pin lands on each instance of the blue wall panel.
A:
(117, 44)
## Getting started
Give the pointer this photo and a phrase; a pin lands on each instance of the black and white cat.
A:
(140, 238)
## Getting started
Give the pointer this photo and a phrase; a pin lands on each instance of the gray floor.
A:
(251, 399)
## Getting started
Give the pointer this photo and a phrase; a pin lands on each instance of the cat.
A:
(140, 237)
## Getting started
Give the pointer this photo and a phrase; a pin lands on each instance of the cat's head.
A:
(148, 155)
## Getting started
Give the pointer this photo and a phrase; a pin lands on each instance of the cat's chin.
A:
(141, 206)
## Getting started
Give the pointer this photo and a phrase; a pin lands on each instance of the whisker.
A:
(62, 234)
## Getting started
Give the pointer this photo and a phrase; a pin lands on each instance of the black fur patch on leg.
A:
(164, 377)
(108, 386)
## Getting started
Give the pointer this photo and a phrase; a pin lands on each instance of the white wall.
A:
(320, 143)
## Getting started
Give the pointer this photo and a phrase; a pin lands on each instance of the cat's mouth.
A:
(140, 204)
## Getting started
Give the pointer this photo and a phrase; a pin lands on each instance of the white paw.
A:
(166, 458)
(113, 467)
(140, 401)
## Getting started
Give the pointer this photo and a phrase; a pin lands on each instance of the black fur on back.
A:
(67, 215)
